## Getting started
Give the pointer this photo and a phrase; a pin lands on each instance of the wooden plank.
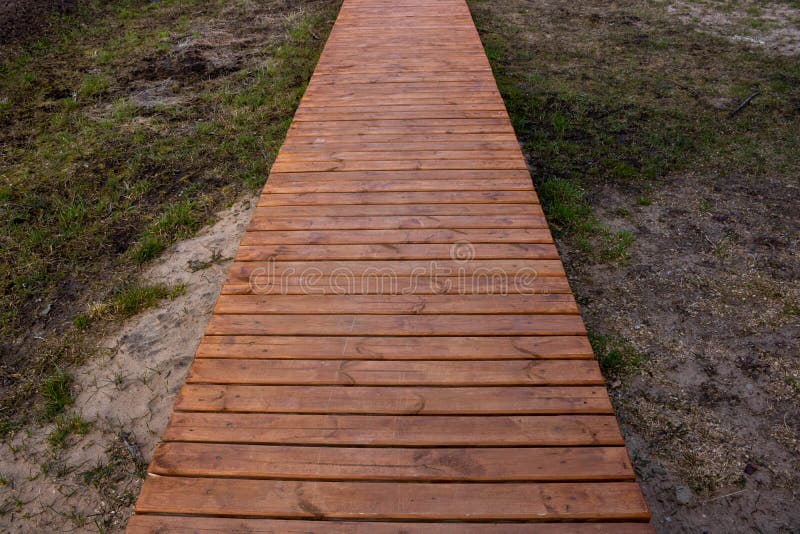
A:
(447, 236)
(557, 304)
(283, 166)
(371, 210)
(358, 463)
(388, 251)
(398, 325)
(490, 176)
(149, 524)
(350, 186)
(395, 348)
(417, 268)
(395, 430)
(374, 500)
(443, 197)
(488, 400)
(310, 282)
(394, 373)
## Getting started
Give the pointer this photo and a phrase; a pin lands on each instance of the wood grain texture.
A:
(396, 348)
(400, 400)
(393, 373)
(373, 500)
(395, 430)
(143, 524)
(357, 463)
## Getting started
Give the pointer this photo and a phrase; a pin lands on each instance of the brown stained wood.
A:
(388, 251)
(395, 348)
(447, 236)
(350, 186)
(373, 500)
(395, 430)
(486, 464)
(376, 283)
(371, 210)
(393, 165)
(396, 341)
(439, 197)
(143, 524)
(475, 268)
(395, 304)
(393, 373)
(394, 400)
(400, 325)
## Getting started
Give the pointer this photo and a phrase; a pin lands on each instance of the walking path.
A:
(396, 347)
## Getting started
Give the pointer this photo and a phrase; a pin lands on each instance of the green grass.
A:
(137, 298)
(93, 85)
(56, 391)
(569, 214)
(95, 181)
(151, 246)
(616, 356)
(66, 427)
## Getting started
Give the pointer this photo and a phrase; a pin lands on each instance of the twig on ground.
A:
(744, 103)
(723, 496)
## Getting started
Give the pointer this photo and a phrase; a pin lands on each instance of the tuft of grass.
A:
(570, 215)
(94, 85)
(82, 321)
(150, 247)
(616, 356)
(56, 391)
(137, 298)
(65, 427)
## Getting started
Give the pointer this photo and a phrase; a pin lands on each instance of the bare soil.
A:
(709, 295)
(21, 18)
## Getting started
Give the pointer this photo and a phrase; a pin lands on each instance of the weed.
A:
(65, 427)
(794, 384)
(137, 298)
(616, 356)
(57, 394)
(93, 85)
(147, 249)
(82, 321)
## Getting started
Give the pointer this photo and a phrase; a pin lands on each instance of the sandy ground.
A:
(126, 395)
(772, 26)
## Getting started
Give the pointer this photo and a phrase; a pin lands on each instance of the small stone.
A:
(684, 494)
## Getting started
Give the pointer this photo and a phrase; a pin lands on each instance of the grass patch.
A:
(137, 298)
(65, 427)
(571, 216)
(121, 134)
(56, 391)
(150, 247)
(616, 356)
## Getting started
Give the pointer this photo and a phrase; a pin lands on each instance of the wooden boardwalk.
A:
(396, 348)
